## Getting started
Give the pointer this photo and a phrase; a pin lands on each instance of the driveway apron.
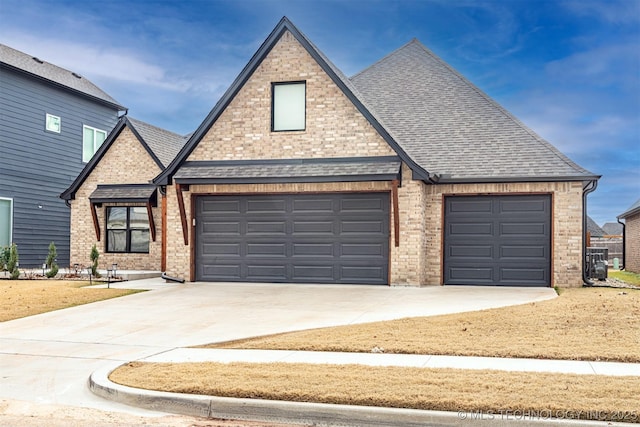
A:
(49, 357)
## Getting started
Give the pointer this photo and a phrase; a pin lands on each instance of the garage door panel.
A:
(326, 238)
(266, 206)
(266, 227)
(471, 229)
(222, 206)
(475, 206)
(325, 227)
(524, 229)
(484, 274)
(526, 275)
(266, 249)
(272, 272)
(532, 252)
(523, 206)
(231, 228)
(221, 249)
(355, 205)
(471, 251)
(222, 270)
(313, 273)
(362, 274)
(358, 227)
(509, 244)
(313, 250)
(362, 250)
(310, 206)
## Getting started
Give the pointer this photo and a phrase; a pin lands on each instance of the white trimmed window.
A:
(288, 109)
(53, 123)
(92, 139)
(6, 221)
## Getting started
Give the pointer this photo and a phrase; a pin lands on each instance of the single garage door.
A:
(498, 240)
(295, 238)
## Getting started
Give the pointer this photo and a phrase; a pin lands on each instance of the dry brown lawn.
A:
(549, 395)
(22, 298)
(581, 324)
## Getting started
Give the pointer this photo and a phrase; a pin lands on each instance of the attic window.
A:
(53, 123)
(288, 106)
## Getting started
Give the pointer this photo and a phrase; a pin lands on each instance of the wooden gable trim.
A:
(152, 224)
(96, 224)
(183, 214)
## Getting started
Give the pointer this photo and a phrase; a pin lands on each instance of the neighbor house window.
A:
(288, 110)
(6, 221)
(127, 229)
(53, 123)
(92, 139)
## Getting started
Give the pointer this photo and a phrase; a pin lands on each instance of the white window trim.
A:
(10, 217)
(95, 130)
(46, 123)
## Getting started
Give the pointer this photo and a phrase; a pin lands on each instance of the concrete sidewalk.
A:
(180, 355)
(308, 413)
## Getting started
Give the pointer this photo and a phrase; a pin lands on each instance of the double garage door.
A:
(295, 238)
(498, 240)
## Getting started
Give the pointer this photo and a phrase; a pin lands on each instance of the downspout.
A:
(589, 188)
(624, 239)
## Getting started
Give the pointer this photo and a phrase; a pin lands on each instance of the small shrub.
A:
(5, 252)
(12, 264)
(51, 261)
(94, 261)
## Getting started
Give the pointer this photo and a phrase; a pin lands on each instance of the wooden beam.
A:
(163, 226)
(152, 224)
(396, 212)
(96, 225)
(183, 213)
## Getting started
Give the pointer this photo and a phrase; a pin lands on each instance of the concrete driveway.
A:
(48, 358)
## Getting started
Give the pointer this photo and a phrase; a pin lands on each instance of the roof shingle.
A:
(53, 73)
(449, 126)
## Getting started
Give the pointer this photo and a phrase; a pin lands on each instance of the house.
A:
(114, 205)
(593, 228)
(53, 121)
(404, 174)
(631, 237)
(612, 229)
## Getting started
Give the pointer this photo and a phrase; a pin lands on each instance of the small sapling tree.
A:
(51, 261)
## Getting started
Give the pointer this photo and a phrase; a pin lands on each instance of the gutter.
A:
(588, 188)
(624, 239)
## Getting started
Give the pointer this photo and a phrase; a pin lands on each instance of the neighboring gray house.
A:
(53, 121)
(593, 228)
(631, 237)
(612, 229)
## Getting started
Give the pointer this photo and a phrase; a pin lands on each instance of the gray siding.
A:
(36, 165)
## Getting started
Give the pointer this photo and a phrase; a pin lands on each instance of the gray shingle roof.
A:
(53, 73)
(126, 192)
(450, 127)
(594, 228)
(164, 144)
(300, 170)
(634, 209)
(612, 229)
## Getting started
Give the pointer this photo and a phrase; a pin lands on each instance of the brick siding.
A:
(126, 162)
(334, 128)
(632, 243)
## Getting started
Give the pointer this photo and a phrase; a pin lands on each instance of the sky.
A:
(570, 70)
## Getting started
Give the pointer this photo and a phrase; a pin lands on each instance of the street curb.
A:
(316, 414)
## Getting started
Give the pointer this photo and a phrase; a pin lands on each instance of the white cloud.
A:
(97, 62)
